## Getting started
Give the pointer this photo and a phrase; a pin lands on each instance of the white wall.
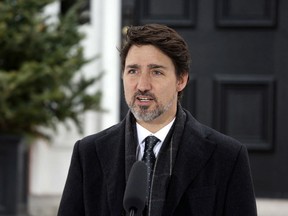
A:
(49, 162)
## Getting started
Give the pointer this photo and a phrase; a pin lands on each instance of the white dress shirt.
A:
(143, 133)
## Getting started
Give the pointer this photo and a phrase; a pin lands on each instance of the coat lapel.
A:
(111, 154)
(117, 154)
(194, 152)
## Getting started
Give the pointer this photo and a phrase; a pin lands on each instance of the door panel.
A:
(239, 74)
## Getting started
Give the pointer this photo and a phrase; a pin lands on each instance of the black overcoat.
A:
(211, 175)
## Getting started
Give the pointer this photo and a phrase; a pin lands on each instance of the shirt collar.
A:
(161, 134)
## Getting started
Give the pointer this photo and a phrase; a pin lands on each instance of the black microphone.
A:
(136, 189)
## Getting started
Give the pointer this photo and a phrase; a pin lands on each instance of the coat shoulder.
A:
(103, 137)
(226, 145)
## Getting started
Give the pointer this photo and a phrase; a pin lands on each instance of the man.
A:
(197, 171)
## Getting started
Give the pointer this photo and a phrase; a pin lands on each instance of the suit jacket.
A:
(211, 175)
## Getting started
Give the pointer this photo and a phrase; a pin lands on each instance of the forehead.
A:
(147, 53)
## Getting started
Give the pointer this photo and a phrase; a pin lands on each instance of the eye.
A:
(132, 71)
(157, 72)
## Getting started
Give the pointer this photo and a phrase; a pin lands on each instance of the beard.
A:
(142, 113)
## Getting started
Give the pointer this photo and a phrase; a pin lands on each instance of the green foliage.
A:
(40, 69)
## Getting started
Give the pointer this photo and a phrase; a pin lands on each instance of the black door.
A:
(239, 74)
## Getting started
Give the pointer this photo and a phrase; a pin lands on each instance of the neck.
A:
(155, 125)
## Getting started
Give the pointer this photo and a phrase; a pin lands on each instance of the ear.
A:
(182, 81)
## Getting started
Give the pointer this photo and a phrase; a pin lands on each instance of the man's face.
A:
(150, 84)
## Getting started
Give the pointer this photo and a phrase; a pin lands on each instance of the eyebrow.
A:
(133, 66)
(150, 66)
(155, 66)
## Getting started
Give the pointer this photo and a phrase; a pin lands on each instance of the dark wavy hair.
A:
(162, 37)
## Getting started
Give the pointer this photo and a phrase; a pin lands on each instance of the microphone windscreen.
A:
(136, 188)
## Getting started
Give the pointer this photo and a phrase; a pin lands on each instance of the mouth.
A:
(144, 99)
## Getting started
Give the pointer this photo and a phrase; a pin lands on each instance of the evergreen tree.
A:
(41, 83)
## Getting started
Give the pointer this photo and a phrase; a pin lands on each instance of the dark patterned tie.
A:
(149, 157)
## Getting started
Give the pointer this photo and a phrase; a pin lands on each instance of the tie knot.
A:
(150, 142)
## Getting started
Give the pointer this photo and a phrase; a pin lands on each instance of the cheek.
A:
(128, 88)
(167, 93)
(127, 95)
(172, 88)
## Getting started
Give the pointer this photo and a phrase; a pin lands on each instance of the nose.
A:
(144, 82)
